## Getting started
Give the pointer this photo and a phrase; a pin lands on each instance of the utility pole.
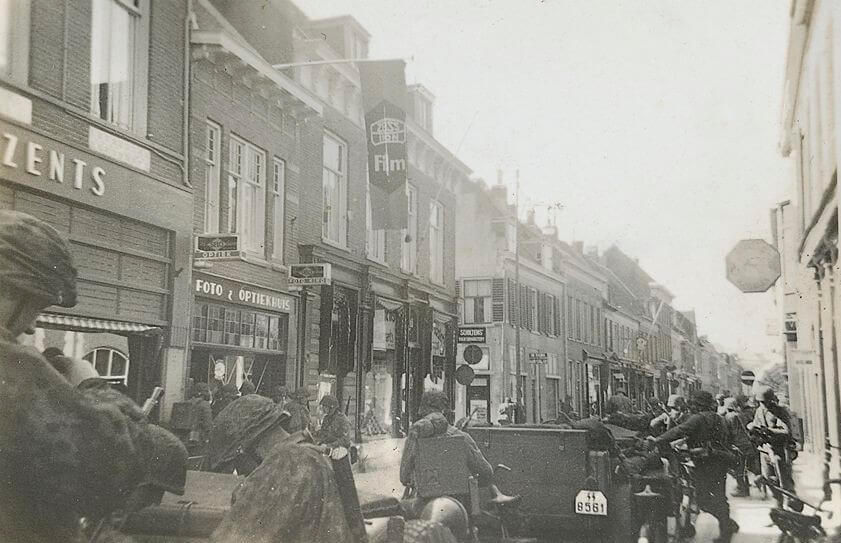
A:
(518, 392)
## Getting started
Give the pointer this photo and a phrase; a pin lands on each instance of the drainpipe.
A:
(827, 447)
(185, 121)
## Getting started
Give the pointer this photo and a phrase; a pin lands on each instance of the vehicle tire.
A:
(427, 531)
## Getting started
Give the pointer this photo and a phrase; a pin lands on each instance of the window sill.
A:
(335, 244)
(256, 260)
(279, 266)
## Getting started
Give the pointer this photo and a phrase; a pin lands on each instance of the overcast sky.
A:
(654, 123)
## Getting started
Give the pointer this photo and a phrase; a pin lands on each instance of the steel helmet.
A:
(449, 512)
(35, 259)
(766, 394)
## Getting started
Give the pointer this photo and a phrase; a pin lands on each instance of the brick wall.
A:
(59, 67)
(240, 110)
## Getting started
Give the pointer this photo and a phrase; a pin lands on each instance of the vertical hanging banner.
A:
(383, 100)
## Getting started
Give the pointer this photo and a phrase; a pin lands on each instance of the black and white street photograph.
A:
(420, 271)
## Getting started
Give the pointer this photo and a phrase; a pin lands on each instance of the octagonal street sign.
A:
(753, 265)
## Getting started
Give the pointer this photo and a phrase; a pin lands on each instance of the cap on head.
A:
(433, 401)
(35, 259)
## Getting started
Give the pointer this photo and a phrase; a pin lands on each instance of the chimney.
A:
(499, 177)
(499, 195)
(578, 246)
(550, 231)
(530, 217)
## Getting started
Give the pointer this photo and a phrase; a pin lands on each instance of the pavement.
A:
(377, 475)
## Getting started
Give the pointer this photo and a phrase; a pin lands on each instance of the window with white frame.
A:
(247, 195)
(409, 257)
(212, 171)
(278, 192)
(334, 183)
(375, 242)
(477, 301)
(6, 7)
(436, 242)
(109, 363)
(113, 40)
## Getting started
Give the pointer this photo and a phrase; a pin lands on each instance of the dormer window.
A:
(423, 112)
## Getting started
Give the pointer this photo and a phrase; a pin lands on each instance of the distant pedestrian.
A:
(298, 409)
(247, 387)
(200, 420)
(227, 394)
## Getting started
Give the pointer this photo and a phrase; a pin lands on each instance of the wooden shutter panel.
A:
(458, 288)
(512, 302)
(497, 299)
(558, 330)
(539, 298)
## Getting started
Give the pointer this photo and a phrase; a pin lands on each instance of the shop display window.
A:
(217, 324)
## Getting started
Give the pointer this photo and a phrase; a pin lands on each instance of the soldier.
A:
(335, 426)
(676, 413)
(771, 423)
(704, 429)
(62, 456)
(299, 413)
(739, 437)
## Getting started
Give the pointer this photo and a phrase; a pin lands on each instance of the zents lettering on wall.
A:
(51, 164)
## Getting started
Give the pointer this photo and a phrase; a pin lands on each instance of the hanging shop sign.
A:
(538, 357)
(309, 274)
(218, 247)
(383, 99)
(225, 290)
(472, 335)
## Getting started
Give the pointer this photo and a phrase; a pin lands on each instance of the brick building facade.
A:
(92, 107)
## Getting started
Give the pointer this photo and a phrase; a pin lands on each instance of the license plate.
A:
(591, 502)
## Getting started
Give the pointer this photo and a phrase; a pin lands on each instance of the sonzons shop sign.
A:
(225, 290)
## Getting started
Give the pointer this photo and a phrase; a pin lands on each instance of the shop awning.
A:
(82, 324)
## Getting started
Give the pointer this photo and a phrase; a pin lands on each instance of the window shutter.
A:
(531, 309)
(497, 299)
(539, 298)
(512, 302)
(557, 323)
(458, 288)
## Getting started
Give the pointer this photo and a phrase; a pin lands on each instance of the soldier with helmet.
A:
(771, 424)
(676, 413)
(62, 456)
(704, 431)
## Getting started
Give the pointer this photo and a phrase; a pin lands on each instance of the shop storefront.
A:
(124, 227)
(238, 332)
